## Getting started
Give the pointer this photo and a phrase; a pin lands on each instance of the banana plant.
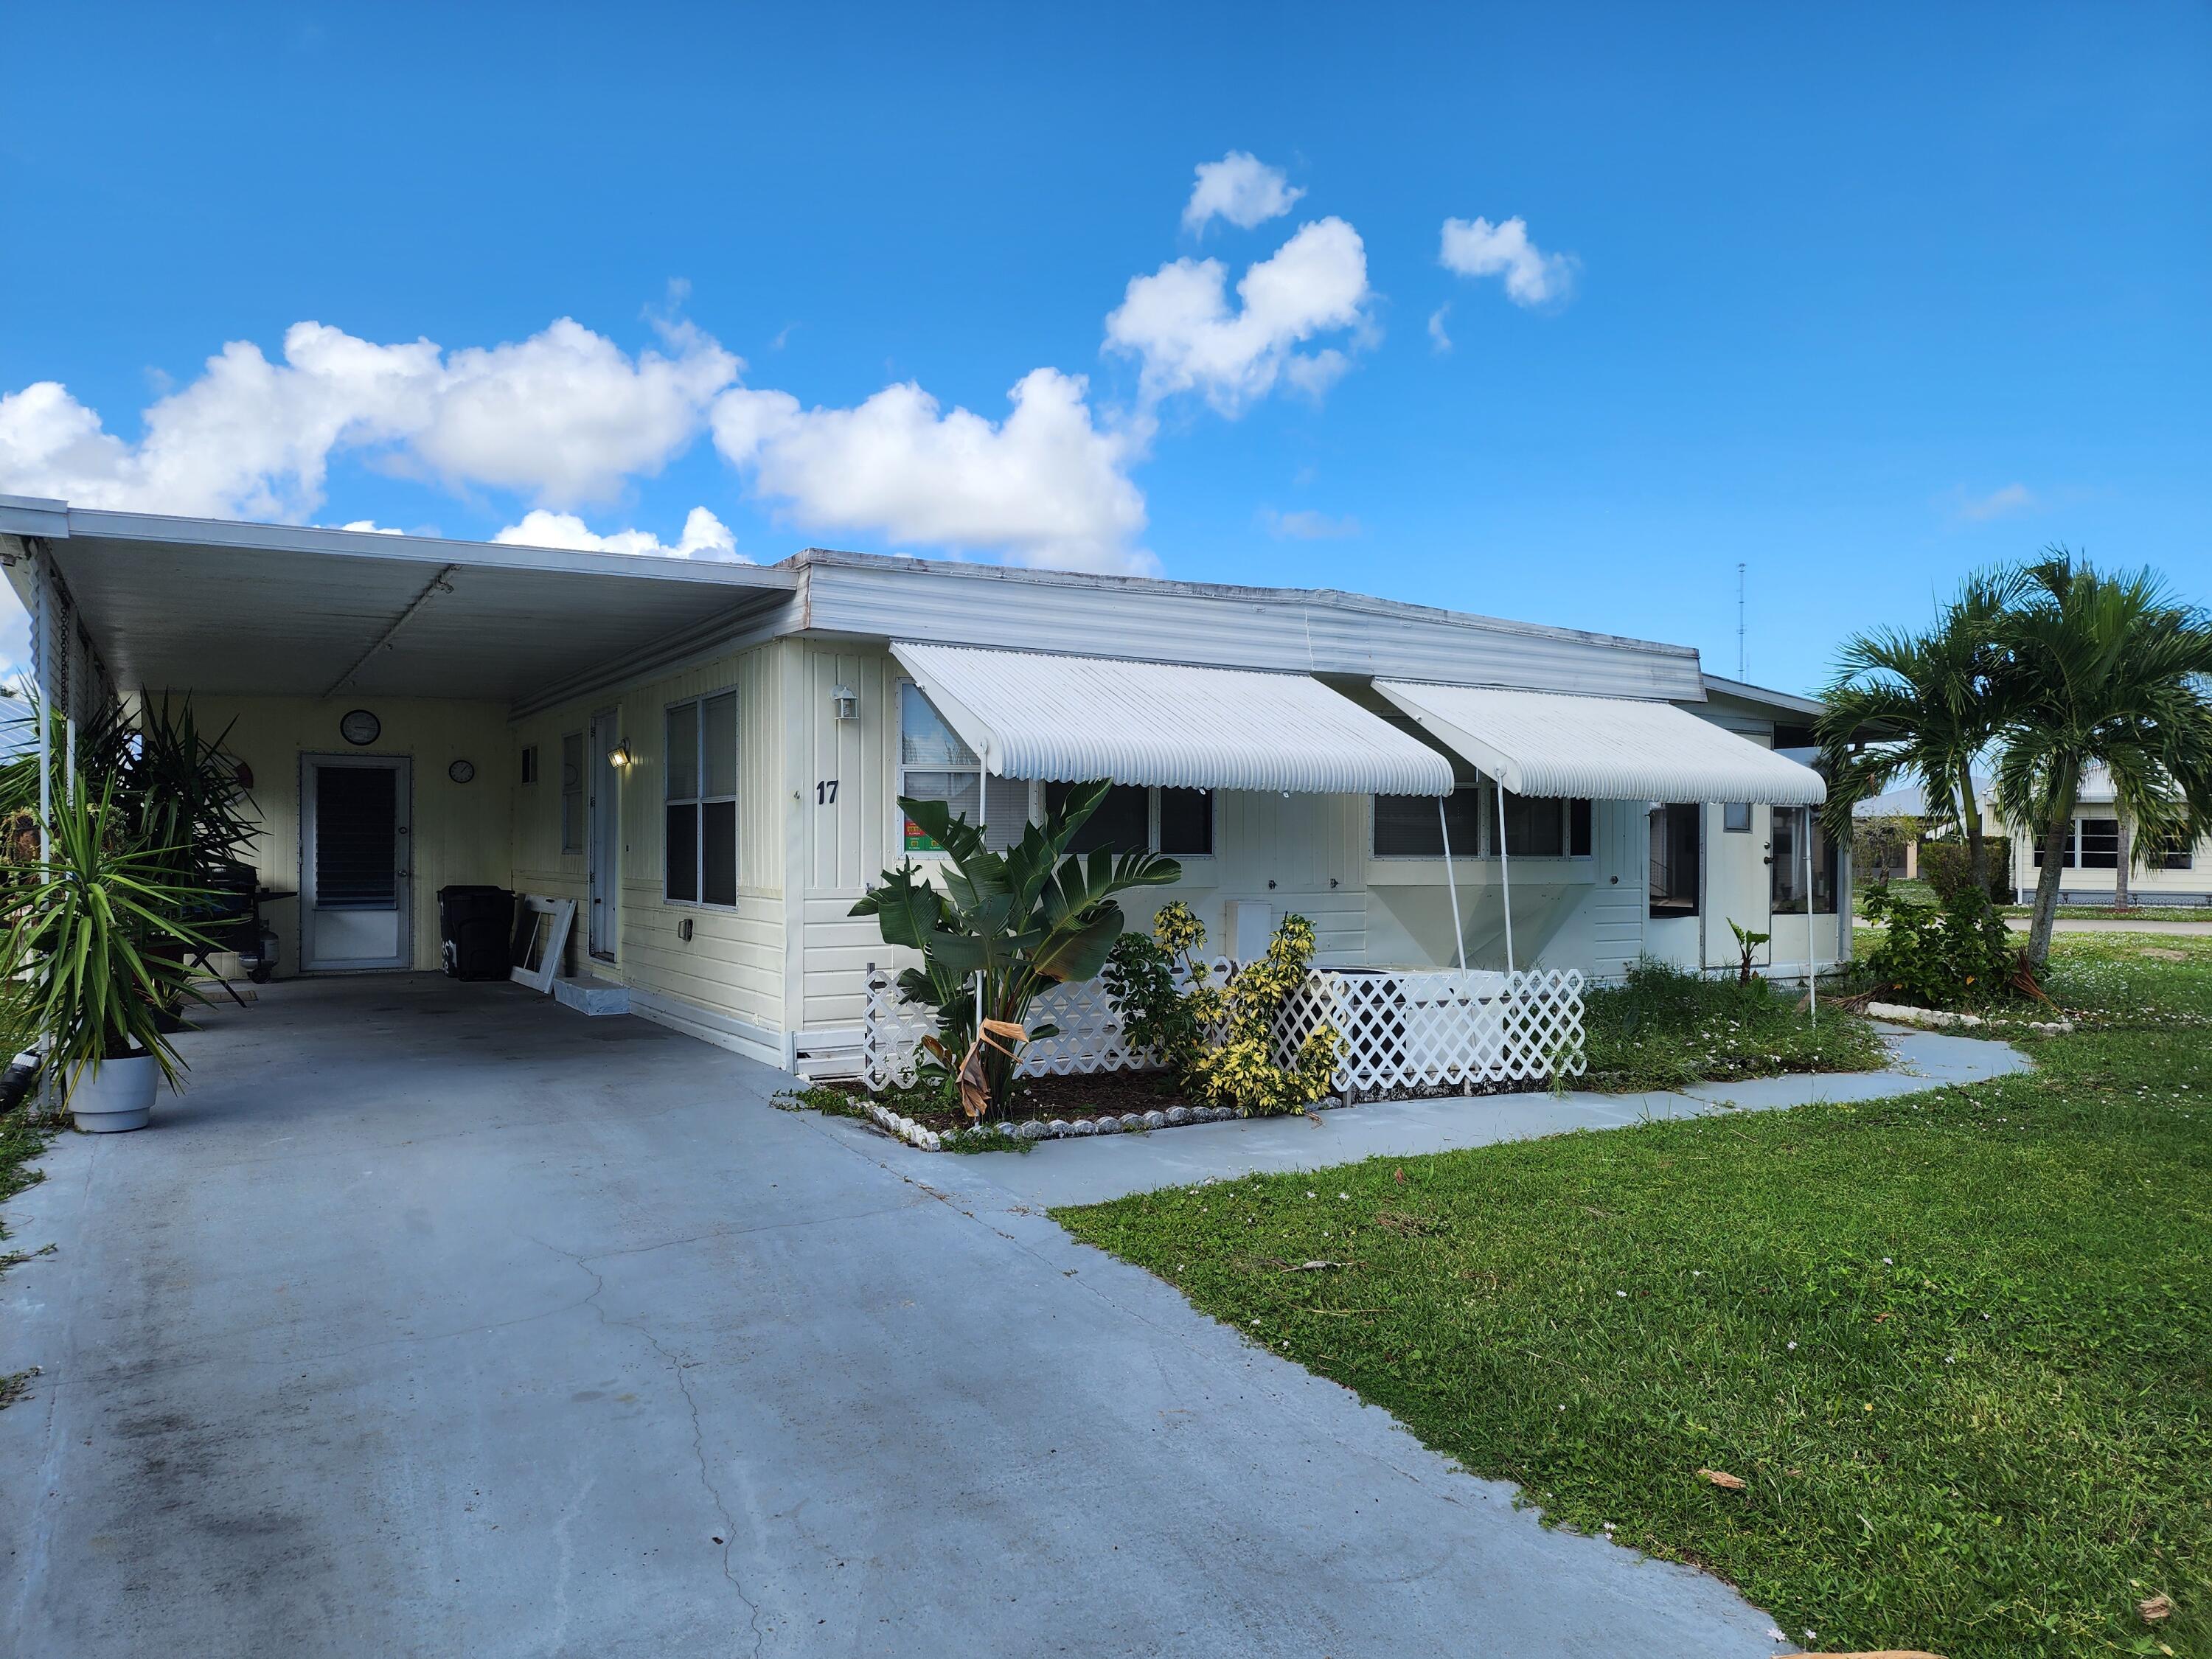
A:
(1031, 916)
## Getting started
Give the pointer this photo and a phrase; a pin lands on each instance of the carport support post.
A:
(1505, 874)
(40, 659)
(1451, 882)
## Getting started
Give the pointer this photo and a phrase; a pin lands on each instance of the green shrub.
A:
(1947, 866)
(1941, 956)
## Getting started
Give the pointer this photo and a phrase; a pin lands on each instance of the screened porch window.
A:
(700, 809)
(1675, 860)
(1786, 872)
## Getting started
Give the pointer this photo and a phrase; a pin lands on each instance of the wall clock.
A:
(461, 771)
(361, 728)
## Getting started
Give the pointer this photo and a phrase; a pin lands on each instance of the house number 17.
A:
(825, 793)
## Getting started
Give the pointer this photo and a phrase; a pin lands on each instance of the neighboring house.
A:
(1910, 801)
(2162, 875)
(706, 755)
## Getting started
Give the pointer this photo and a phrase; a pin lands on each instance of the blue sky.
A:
(1863, 298)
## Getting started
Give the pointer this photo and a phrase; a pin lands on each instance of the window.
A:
(530, 763)
(1408, 827)
(1536, 827)
(700, 801)
(1675, 860)
(1736, 817)
(935, 763)
(1187, 822)
(2066, 857)
(2099, 840)
(572, 792)
(2172, 853)
(1786, 870)
(1122, 821)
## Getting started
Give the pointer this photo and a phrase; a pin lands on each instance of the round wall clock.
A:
(361, 728)
(461, 771)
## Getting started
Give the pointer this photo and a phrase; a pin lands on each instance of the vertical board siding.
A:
(459, 831)
(732, 963)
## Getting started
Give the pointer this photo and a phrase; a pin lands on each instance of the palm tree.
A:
(2103, 669)
(1929, 704)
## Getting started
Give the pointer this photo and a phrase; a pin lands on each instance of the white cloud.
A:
(1997, 504)
(1046, 486)
(371, 527)
(1178, 321)
(562, 417)
(705, 536)
(1439, 341)
(1307, 525)
(1478, 248)
(1240, 188)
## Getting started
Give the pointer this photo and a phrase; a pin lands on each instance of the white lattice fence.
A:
(1419, 1032)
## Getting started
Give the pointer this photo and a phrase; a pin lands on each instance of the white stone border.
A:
(1060, 1128)
(1938, 1019)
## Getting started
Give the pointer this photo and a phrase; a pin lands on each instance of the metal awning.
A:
(1065, 719)
(1551, 743)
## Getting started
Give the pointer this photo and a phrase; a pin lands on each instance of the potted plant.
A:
(95, 953)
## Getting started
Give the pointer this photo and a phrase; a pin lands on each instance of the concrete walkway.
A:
(1056, 1172)
(435, 1319)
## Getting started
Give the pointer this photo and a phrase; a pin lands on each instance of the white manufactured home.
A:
(706, 757)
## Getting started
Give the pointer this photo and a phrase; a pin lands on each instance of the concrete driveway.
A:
(437, 1320)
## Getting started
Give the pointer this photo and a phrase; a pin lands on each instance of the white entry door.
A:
(356, 863)
(603, 812)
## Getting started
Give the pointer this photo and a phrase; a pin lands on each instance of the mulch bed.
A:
(1103, 1094)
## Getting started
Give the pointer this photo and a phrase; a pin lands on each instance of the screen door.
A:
(354, 865)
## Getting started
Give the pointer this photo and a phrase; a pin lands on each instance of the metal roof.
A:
(1065, 719)
(1547, 743)
(285, 609)
(1295, 630)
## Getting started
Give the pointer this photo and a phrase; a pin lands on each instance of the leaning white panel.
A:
(1065, 719)
(1557, 744)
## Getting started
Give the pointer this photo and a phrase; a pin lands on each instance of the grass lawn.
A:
(1958, 1346)
(2106, 913)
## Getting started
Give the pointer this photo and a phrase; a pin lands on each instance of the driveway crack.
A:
(677, 1367)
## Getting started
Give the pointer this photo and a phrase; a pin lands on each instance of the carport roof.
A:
(285, 610)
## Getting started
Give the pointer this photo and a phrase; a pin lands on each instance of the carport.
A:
(372, 679)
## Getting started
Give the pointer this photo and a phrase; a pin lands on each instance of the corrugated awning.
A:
(1551, 743)
(1065, 719)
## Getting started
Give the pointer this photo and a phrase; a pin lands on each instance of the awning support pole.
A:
(1811, 952)
(1504, 875)
(1451, 882)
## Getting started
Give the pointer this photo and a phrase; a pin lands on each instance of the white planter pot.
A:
(118, 1095)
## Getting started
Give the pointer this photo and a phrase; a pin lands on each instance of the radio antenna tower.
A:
(1743, 664)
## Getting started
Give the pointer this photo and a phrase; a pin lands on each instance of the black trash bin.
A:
(475, 924)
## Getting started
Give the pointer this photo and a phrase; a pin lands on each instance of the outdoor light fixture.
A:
(619, 755)
(846, 702)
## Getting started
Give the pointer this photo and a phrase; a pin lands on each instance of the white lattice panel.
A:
(1420, 1031)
